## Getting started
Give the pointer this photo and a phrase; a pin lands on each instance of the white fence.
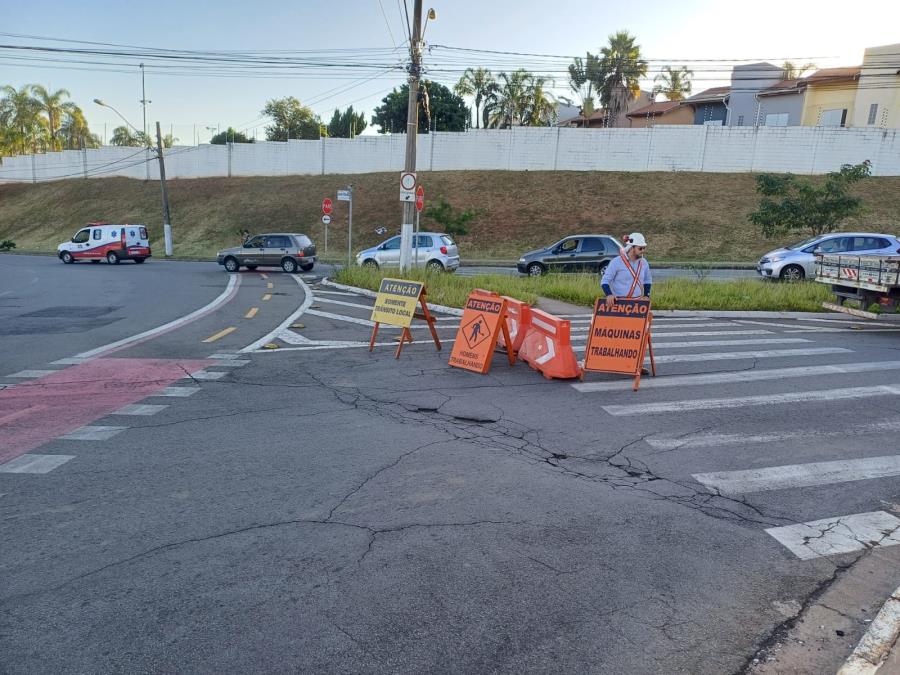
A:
(805, 150)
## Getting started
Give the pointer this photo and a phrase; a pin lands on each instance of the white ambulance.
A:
(103, 241)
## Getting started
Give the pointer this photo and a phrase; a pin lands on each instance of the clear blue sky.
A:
(834, 32)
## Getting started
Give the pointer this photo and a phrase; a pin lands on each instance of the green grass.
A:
(582, 289)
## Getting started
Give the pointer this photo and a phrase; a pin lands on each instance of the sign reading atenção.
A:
(618, 338)
(481, 325)
(396, 302)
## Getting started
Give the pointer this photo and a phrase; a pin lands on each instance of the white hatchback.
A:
(431, 250)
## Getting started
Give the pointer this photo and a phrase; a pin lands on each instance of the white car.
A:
(797, 262)
(436, 251)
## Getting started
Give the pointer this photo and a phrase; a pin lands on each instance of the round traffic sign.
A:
(408, 181)
(326, 206)
(326, 219)
(420, 203)
(420, 191)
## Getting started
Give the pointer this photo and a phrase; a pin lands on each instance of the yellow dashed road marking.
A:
(251, 313)
(270, 285)
(263, 276)
(220, 334)
(267, 296)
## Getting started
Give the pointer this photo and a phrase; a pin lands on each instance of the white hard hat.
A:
(636, 239)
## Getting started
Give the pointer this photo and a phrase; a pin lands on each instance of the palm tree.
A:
(21, 114)
(475, 82)
(582, 75)
(54, 107)
(620, 71)
(675, 85)
(74, 132)
(541, 104)
(792, 71)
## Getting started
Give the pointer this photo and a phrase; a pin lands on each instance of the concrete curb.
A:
(875, 646)
(371, 294)
(710, 314)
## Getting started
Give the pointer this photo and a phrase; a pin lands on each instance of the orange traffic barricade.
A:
(547, 346)
(518, 319)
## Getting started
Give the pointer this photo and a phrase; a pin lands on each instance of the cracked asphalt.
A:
(332, 510)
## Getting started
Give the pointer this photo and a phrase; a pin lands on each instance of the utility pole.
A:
(412, 126)
(167, 221)
(144, 103)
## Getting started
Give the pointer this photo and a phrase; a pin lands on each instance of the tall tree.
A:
(620, 72)
(74, 133)
(583, 73)
(445, 111)
(291, 119)
(124, 136)
(347, 124)
(675, 85)
(55, 108)
(230, 136)
(21, 113)
(475, 82)
(520, 99)
(793, 71)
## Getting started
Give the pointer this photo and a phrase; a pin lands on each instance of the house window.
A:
(873, 113)
(740, 120)
(777, 120)
(833, 118)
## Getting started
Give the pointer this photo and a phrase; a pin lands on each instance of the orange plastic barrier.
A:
(518, 319)
(547, 346)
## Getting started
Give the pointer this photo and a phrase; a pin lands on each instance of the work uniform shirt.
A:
(620, 278)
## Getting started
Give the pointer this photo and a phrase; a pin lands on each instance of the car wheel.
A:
(371, 264)
(112, 258)
(306, 268)
(139, 260)
(434, 266)
(792, 273)
(602, 268)
(289, 265)
(252, 268)
(231, 265)
(67, 258)
(536, 270)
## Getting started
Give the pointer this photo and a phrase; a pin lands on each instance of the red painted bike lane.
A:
(35, 412)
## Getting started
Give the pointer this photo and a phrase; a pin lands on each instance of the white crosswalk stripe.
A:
(759, 400)
(840, 534)
(754, 354)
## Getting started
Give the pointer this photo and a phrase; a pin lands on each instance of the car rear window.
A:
(447, 240)
(303, 240)
(144, 233)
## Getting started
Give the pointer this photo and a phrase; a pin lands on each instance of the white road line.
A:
(70, 361)
(234, 281)
(143, 409)
(224, 355)
(795, 326)
(800, 475)
(28, 374)
(841, 534)
(708, 440)
(828, 395)
(93, 433)
(307, 301)
(700, 333)
(345, 345)
(206, 375)
(29, 463)
(752, 354)
(178, 392)
(740, 376)
(664, 344)
(329, 301)
(345, 293)
(233, 363)
(341, 317)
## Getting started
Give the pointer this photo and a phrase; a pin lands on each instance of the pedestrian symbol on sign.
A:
(476, 331)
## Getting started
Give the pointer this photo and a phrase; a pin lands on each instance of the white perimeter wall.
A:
(805, 150)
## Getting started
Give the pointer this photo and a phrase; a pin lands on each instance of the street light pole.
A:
(412, 126)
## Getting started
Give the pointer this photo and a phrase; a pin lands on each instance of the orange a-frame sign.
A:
(620, 338)
(483, 320)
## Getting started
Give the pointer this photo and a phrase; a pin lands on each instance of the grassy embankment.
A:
(685, 216)
(582, 289)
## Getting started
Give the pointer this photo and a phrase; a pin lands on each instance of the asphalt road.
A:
(198, 501)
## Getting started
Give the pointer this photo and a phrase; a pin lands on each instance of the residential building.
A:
(781, 105)
(878, 93)
(601, 119)
(747, 81)
(662, 112)
(709, 106)
(831, 97)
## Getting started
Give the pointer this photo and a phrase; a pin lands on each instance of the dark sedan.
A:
(578, 253)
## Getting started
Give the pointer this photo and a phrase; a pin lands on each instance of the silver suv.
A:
(436, 251)
(288, 251)
(796, 262)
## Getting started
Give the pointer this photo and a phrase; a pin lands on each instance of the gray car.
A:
(436, 251)
(797, 262)
(578, 253)
(289, 251)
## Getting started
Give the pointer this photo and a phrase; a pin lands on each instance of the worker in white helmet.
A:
(628, 274)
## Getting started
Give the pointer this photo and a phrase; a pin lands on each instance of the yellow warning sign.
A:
(396, 302)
